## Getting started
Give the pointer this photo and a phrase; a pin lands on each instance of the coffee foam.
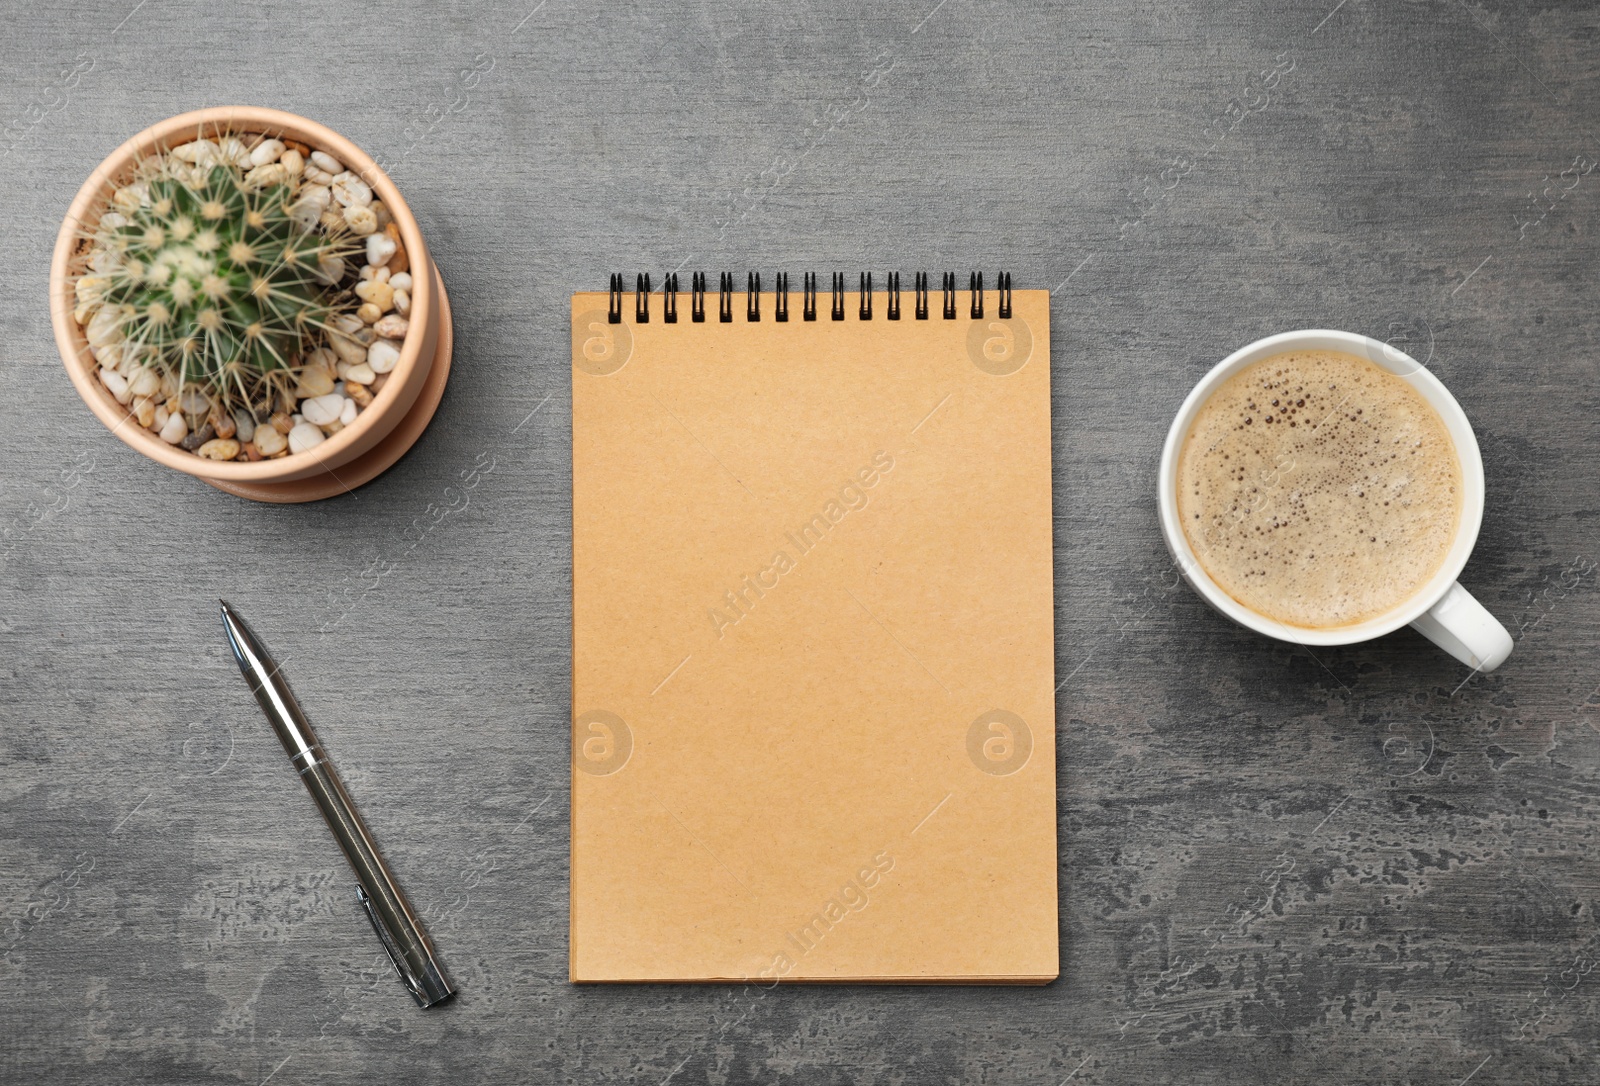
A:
(1318, 489)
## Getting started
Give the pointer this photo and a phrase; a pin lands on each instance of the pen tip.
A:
(229, 619)
(233, 630)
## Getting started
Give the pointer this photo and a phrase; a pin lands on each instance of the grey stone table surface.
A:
(1362, 865)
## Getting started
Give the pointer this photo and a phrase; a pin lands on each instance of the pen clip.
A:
(426, 983)
(387, 940)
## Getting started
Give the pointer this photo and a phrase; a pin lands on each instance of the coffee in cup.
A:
(1318, 489)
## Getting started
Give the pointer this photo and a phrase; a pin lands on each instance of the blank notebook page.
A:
(813, 667)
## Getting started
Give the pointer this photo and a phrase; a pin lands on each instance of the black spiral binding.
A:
(614, 310)
(780, 306)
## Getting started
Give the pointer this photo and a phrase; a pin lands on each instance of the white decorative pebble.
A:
(116, 384)
(360, 220)
(219, 448)
(348, 349)
(106, 327)
(245, 425)
(347, 414)
(322, 410)
(330, 268)
(145, 382)
(313, 381)
(197, 152)
(175, 429)
(267, 151)
(294, 162)
(303, 437)
(308, 209)
(382, 355)
(377, 292)
(401, 281)
(232, 149)
(270, 440)
(351, 191)
(324, 161)
(86, 299)
(363, 374)
(319, 176)
(380, 247)
(402, 302)
(270, 173)
(392, 326)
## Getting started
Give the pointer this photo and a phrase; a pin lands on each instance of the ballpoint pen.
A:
(397, 926)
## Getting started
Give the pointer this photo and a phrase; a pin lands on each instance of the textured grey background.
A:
(1354, 867)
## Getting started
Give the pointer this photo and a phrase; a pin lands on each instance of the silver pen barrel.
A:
(386, 907)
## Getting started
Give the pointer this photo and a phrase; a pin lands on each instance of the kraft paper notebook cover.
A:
(813, 667)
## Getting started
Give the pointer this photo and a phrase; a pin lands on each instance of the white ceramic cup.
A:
(1442, 611)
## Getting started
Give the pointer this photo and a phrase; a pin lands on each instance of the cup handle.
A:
(1461, 626)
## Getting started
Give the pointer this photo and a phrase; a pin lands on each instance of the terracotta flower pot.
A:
(380, 434)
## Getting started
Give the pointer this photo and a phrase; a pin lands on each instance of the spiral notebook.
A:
(813, 668)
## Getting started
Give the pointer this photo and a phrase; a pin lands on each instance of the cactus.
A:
(215, 279)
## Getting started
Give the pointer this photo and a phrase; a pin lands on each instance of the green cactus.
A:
(217, 283)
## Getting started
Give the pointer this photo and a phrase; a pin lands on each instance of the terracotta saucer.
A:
(382, 456)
